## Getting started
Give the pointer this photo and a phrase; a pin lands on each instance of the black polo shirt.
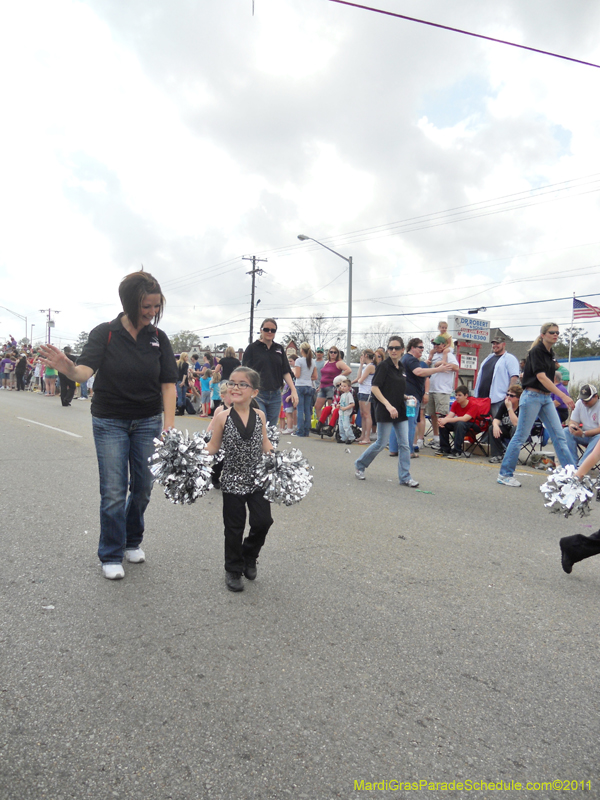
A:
(391, 383)
(271, 363)
(538, 360)
(129, 372)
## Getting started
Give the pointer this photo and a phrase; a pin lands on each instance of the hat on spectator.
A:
(498, 339)
(439, 340)
(340, 379)
(587, 390)
(319, 350)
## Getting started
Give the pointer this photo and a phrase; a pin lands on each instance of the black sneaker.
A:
(250, 568)
(234, 582)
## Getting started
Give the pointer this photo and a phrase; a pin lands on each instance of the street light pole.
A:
(304, 238)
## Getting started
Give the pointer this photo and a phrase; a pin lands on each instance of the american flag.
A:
(583, 310)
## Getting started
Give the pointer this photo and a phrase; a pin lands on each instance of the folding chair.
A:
(581, 448)
(537, 432)
(476, 436)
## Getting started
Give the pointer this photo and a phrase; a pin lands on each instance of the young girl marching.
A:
(242, 433)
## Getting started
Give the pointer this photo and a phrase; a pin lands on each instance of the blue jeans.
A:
(412, 427)
(573, 441)
(181, 392)
(123, 447)
(345, 426)
(383, 434)
(270, 404)
(305, 401)
(531, 406)
(83, 392)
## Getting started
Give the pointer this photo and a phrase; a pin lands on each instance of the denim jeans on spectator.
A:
(531, 406)
(270, 404)
(383, 434)
(573, 441)
(123, 447)
(305, 401)
(412, 427)
(83, 392)
(181, 392)
(460, 429)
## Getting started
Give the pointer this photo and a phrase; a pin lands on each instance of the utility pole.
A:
(49, 321)
(254, 272)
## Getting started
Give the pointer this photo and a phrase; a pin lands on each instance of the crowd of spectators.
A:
(300, 393)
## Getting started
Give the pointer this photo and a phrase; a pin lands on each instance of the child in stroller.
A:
(328, 424)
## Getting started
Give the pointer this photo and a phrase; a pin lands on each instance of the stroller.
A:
(328, 423)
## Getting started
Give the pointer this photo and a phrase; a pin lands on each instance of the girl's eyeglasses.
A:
(242, 385)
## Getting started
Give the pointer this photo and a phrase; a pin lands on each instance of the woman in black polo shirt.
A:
(268, 358)
(134, 385)
(388, 388)
(536, 401)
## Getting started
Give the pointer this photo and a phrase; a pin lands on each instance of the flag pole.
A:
(571, 332)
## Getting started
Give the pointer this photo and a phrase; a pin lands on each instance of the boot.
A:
(576, 548)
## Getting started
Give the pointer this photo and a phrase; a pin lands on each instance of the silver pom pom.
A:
(566, 493)
(273, 434)
(207, 436)
(284, 476)
(182, 465)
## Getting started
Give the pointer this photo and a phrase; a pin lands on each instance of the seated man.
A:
(584, 425)
(459, 419)
(505, 423)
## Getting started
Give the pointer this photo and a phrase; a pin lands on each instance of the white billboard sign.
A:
(469, 329)
(468, 362)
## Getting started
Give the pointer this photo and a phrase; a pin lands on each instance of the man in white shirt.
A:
(584, 425)
(441, 386)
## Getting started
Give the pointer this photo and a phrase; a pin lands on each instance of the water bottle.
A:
(411, 407)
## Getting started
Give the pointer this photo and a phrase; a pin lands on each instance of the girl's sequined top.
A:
(243, 448)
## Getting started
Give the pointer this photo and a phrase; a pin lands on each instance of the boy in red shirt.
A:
(460, 420)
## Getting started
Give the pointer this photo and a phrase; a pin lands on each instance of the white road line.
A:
(60, 430)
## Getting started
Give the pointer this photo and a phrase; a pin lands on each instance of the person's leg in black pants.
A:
(67, 390)
(234, 519)
(445, 437)
(576, 548)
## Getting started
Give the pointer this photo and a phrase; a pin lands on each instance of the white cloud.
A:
(184, 136)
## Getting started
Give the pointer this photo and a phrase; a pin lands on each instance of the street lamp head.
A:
(302, 237)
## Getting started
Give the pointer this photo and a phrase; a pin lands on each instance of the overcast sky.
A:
(458, 173)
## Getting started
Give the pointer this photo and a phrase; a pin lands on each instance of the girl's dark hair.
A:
(211, 360)
(132, 290)
(462, 389)
(396, 339)
(252, 376)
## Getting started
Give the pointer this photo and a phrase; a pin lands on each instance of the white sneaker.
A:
(419, 443)
(113, 571)
(508, 480)
(360, 474)
(136, 556)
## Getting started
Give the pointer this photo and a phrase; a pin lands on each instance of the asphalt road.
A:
(390, 635)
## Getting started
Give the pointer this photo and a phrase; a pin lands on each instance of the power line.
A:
(467, 33)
